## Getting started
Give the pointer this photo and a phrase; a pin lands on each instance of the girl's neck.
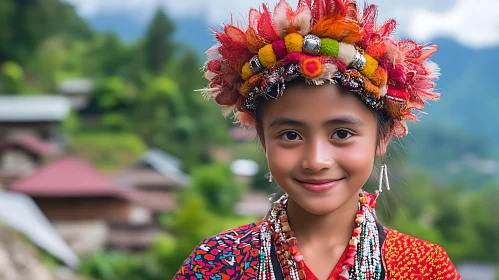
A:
(332, 230)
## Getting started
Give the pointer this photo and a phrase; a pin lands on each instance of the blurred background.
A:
(112, 167)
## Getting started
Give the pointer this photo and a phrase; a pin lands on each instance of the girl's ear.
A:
(381, 149)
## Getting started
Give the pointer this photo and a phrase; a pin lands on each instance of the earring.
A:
(383, 173)
(270, 178)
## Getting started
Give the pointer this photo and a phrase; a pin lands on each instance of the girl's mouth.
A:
(319, 185)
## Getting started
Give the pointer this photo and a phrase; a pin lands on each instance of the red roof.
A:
(68, 176)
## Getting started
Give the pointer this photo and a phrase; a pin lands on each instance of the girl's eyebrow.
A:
(342, 120)
(282, 121)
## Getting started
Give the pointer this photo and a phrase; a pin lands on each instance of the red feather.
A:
(266, 27)
(369, 17)
(318, 10)
(428, 51)
(233, 46)
(388, 28)
(305, 3)
(227, 98)
(254, 17)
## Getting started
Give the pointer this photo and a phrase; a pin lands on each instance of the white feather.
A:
(281, 20)
(302, 21)
(433, 68)
(213, 53)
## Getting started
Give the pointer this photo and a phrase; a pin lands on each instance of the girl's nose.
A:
(317, 156)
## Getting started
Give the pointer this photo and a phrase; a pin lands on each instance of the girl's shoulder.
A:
(229, 253)
(407, 255)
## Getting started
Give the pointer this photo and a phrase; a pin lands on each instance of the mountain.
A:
(189, 31)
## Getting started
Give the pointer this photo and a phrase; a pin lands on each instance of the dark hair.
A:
(385, 123)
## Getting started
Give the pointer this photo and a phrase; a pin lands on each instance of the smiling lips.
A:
(319, 185)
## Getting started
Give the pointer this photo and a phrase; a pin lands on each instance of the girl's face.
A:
(320, 144)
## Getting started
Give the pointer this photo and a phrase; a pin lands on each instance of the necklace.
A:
(363, 258)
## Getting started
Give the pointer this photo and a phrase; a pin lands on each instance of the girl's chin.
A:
(317, 205)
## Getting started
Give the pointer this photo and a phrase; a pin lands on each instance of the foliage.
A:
(11, 77)
(158, 45)
(217, 184)
(108, 151)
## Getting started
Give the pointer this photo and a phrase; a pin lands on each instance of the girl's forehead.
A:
(317, 104)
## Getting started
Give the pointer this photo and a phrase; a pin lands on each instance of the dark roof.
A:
(166, 165)
(32, 144)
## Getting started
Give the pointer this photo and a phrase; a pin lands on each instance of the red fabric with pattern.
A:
(234, 254)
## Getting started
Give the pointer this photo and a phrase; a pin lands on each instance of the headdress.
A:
(321, 41)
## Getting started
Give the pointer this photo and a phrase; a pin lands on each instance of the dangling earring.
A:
(383, 173)
(270, 178)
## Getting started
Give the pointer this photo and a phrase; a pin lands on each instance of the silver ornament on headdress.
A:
(255, 64)
(312, 44)
(359, 61)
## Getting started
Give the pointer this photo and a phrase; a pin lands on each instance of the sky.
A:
(472, 23)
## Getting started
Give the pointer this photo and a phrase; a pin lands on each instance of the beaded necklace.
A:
(363, 260)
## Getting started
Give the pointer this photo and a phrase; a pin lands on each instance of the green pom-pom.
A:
(329, 47)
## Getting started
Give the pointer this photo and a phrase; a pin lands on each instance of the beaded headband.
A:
(321, 41)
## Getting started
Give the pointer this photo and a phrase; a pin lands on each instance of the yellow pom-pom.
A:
(246, 72)
(294, 42)
(371, 65)
(267, 56)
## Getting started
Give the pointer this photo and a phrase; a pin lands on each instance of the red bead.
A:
(349, 261)
(301, 264)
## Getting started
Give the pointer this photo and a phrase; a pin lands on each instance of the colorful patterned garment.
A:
(234, 254)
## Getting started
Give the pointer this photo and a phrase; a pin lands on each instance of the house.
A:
(158, 176)
(77, 91)
(39, 116)
(21, 155)
(84, 205)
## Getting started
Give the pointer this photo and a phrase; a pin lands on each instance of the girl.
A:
(326, 89)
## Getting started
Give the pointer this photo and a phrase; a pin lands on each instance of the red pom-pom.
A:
(292, 58)
(279, 48)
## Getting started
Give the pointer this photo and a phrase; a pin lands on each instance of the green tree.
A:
(7, 9)
(11, 78)
(158, 44)
(218, 185)
(34, 21)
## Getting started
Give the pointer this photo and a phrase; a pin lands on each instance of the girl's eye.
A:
(291, 136)
(342, 134)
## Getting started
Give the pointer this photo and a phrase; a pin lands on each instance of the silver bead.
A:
(359, 61)
(312, 44)
(255, 64)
